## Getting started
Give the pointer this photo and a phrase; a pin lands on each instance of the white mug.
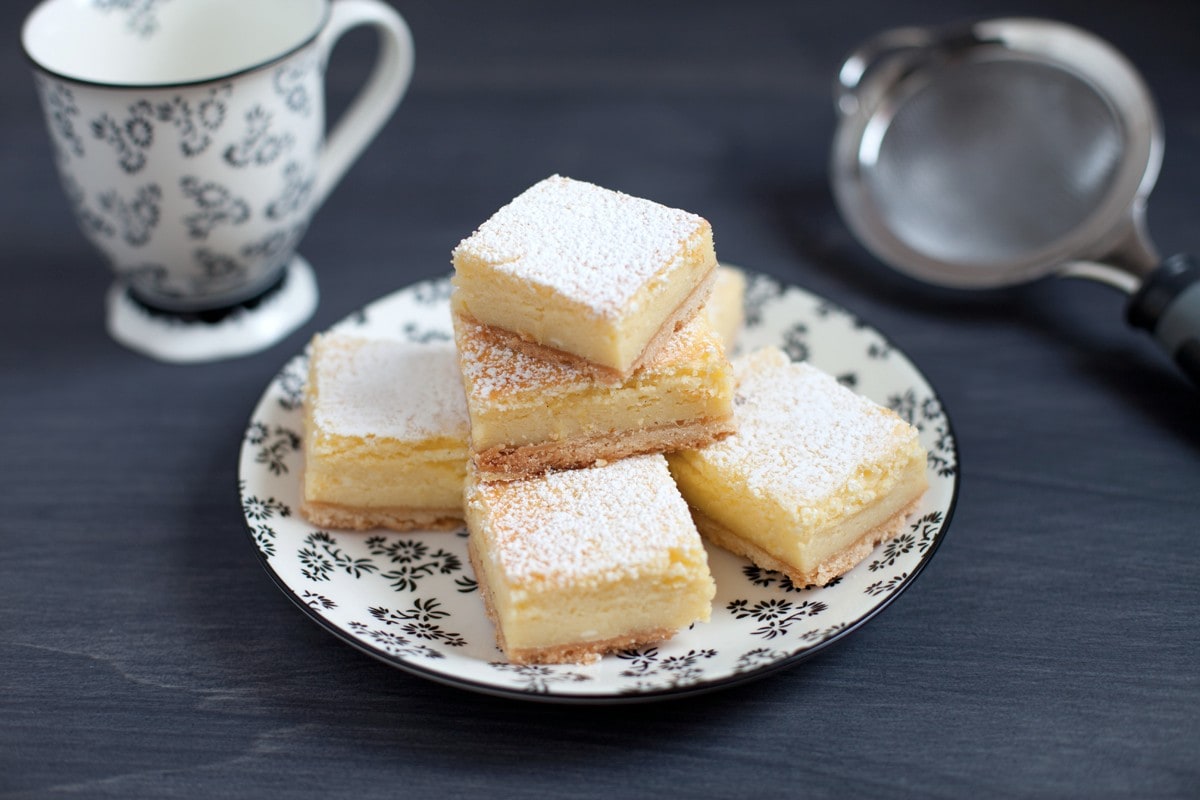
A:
(189, 137)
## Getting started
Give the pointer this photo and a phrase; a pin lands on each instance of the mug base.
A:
(186, 339)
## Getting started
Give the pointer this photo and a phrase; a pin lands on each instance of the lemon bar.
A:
(567, 573)
(385, 435)
(572, 271)
(726, 305)
(815, 477)
(529, 415)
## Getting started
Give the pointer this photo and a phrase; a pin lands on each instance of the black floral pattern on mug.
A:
(141, 18)
(219, 272)
(289, 81)
(258, 146)
(61, 112)
(216, 206)
(197, 123)
(153, 279)
(136, 218)
(90, 220)
(297, 189)
(130, 137)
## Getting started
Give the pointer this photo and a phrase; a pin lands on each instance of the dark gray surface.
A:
(1050, 649)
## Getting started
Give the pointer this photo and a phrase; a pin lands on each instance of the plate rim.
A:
(649, 695)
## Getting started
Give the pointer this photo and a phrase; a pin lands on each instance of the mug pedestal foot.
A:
(246, 330)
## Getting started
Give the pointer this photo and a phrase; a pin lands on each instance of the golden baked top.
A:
(586, 525)
(386, 388)
(802, 436)
(596, 246)
(493, 370)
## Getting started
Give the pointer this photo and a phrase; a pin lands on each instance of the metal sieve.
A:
(1004, 151)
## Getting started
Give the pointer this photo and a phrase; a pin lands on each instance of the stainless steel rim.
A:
(878, 79)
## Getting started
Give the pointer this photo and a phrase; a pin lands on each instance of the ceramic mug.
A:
(189, 137)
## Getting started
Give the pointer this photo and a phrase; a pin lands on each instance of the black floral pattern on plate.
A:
(769, 577)
(760, 291)
(431, 293)
(290, 383)
(538, 678)
(275, 445)
(255, 508)
(924, 412)
(421, 620)
(776, 615)
(318, 601)
(394, 643)
(795, 342)
(321, 557)
(651, 670)
(264, 537)
(413, 561)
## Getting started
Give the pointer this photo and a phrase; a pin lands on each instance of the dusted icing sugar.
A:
(586, 524)
(593, 245)
(494, 369)
(802, 436)
(388, 388)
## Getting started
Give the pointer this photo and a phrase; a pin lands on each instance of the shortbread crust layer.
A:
(529, 415)
(329, 515)
(525, 461)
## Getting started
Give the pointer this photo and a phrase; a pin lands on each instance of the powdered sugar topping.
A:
(585, 524)
(388, 388)
(800, 434)
(593, 245)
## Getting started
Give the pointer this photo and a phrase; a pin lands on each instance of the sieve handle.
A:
(1168, 306)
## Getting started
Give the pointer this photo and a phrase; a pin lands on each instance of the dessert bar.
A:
(815, 477)
(572, 271)
(529, 415)
(567, 573)
(386, 430)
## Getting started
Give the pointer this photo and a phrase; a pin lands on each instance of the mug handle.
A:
(379, 96)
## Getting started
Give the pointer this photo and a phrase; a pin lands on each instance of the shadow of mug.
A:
(189, 138)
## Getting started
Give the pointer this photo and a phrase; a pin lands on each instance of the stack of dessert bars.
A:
(586, 387)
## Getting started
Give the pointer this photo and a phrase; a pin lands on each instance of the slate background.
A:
(1049, 650)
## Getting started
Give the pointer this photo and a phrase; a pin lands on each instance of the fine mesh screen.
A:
(993, 160)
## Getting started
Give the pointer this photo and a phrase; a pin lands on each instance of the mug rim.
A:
(326, 11)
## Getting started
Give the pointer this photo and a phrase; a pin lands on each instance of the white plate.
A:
(410, 599)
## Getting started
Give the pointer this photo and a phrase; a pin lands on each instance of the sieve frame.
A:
(876, 81)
